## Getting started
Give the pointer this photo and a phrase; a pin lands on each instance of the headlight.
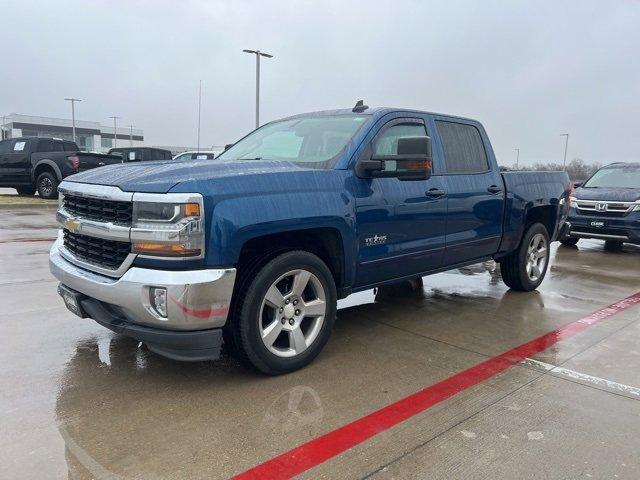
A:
(167, 229)
(572, 202)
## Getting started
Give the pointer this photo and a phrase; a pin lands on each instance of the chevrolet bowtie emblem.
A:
(72, 225)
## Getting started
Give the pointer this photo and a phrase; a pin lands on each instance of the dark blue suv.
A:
(607, 207)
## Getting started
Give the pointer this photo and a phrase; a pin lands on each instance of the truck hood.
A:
(162, 176)
(608, 194)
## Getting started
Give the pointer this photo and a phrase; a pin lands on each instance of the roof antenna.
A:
(360, 107)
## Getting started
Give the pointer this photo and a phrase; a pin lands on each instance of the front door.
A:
(401, 223)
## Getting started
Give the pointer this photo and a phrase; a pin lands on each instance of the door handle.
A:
(435, 193)
(494, 189)
(100, 164)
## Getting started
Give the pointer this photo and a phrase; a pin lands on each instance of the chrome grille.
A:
(604, 208)
(109, 254)
(99, 210)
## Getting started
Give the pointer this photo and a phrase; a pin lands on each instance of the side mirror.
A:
(228, 146)
(413, 161)
(577, 184)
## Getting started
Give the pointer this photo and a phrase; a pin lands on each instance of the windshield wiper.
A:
(256, 158)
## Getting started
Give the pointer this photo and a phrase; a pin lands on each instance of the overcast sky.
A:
(528, 71)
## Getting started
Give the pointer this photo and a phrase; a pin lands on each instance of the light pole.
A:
(73, 115)
(258, 54)
(517, 156)
(4, 121)
(131, 135)
(199, 106)
(566, 144)
(115, 131)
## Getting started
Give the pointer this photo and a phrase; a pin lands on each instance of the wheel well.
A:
(545, 215)
(326, 243)
(43, 167)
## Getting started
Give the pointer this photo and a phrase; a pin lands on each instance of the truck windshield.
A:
(622, 176)
(313, 141)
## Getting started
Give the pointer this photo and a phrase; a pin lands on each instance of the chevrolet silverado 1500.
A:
(256, 247)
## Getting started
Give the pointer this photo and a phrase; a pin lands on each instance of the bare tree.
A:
(577, 169)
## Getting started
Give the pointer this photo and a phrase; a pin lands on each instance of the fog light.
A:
(159, 300)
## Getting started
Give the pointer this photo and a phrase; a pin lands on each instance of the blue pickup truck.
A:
(606, 207)
(254, 249)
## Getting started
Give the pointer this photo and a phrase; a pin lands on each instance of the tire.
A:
(613, 245)
(518, 270)
(570, 241)
(26, 190)
(47, 185)
(270, 304)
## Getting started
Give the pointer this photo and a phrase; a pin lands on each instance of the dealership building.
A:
(90, 136)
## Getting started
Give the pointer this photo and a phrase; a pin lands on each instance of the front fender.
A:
(235, 221)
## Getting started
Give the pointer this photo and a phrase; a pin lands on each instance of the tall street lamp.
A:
(258, 54)
(566, 144)
(73, 114)
(517, 157)
(115, 130)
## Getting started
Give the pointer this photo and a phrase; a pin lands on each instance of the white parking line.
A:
(573, 375)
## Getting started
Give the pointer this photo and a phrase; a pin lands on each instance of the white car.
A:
(195, 155)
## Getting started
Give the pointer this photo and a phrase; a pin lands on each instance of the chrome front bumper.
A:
(196, 299)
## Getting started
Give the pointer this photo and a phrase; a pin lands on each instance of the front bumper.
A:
(197, 300)
(622, 229)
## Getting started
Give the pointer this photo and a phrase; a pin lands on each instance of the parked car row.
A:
(257, 247)
(31, 164)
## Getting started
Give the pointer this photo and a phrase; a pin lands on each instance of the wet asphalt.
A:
(78, 401)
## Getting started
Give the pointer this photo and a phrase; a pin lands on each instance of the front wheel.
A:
(28, 190)
(285, 313)
(525, 268)
(569, 241)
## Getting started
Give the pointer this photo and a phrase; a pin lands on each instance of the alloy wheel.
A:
(292, 313)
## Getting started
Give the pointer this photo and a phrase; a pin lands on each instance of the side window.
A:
(386, 142)
(70, 147)
(45, 146)
(57, 147)
(463, 148)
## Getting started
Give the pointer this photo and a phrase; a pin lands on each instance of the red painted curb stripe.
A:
(321, 449)
(19, 240)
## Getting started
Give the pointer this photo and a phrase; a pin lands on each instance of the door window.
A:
(386, 143)
(463, 148)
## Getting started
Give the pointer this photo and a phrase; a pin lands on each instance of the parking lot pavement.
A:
(80, 402)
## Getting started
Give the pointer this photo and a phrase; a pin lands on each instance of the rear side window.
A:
(45, 146)
(463, 148)
(70, 147)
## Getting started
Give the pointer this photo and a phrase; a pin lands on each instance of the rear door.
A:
(475, 191)
(401, 223)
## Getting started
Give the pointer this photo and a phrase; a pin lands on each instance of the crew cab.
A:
(607, 207)
(31, 163)
(255, 248)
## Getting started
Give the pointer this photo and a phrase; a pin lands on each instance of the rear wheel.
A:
(525, 268)
(286, 313)
(26, 190)
(47, 185)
